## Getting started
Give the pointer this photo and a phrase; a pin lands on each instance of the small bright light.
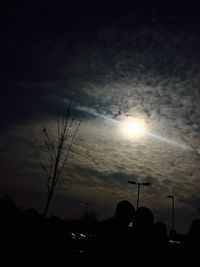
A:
(133, 127)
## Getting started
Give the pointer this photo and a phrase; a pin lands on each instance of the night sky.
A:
(140, 61)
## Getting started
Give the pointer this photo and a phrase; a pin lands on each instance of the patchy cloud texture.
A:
(117, 64)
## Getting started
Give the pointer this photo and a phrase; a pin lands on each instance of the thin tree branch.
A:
(69, 149)
(57, 156)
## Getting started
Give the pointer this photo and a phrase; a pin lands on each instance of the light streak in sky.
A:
(166, 140)
(156, 136)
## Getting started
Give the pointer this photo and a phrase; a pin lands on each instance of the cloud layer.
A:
(118, 66)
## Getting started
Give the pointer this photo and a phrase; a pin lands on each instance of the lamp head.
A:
(132, 182)
(146, 183)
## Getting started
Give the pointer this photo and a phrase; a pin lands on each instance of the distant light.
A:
(174, 242)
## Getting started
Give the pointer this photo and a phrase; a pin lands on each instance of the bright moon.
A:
(133, 128)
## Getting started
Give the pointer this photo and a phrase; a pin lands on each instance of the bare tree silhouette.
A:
(58, 151)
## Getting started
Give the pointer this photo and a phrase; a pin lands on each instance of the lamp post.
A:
(138, 192)
(172, 198)
(87, 208)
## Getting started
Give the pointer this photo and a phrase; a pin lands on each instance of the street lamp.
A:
(138, 192)
(172, 198)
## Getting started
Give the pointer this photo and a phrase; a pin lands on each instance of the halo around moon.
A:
(133, 128)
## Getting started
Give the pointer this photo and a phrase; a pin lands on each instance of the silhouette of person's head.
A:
(115, 232)
(125, 212)
(160, 229)
(143, 217)
(142, 234)
(160, 234)
(194, 231)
